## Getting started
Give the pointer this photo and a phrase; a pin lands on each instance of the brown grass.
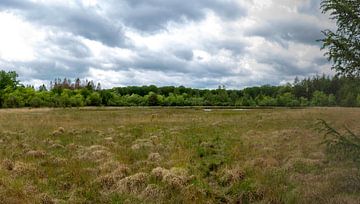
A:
(163, 155)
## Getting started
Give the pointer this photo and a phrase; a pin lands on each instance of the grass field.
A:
(144, 155)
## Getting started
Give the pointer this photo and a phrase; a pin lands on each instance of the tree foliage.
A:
(315, 91)
(340, 145)
(343, 44)
(8, 79)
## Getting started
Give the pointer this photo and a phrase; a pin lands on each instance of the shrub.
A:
(36, 102)
(319, 99)
(77, 100)
(287, 99)
(93, 99)
(13, 100)
(153, 99)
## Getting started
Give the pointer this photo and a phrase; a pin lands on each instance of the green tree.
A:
(8, 79)
(65, 98)
(266, 101)
(153, 99)
(332, 100)
(246, 101)
(135, 100)
(13, 99)
(93, 99)
(36, 102)
(77, 100)
(287, 99)
(343, 44)
(303, 101)
(319, 99)
(349, 100)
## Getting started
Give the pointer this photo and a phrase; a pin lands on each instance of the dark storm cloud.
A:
(184, 54)
(160, 62)
(85, 22)
(286, 30)
(70, 45)
(152, 15)
(235, 46)
(53, 68)
(287, 66)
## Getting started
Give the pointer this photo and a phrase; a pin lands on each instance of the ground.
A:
(168, 155)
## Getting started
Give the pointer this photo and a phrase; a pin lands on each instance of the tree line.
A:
(313, 91)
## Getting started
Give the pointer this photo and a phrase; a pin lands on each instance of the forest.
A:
(312, 91)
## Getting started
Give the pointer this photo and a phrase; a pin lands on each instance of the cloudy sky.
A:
(195, 43)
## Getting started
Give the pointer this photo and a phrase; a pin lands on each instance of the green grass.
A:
(106, 155)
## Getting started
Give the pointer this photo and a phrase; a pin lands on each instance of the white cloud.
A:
(165, 43)
(17, 38)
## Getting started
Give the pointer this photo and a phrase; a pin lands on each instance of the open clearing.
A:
(144, 155)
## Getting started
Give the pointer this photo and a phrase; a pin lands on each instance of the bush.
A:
(319, 99)
(135, 100)
(14, 100)
(267, 101)
(93, 99)
(36, 102)
(153, 99)
(304, 101)
(287, 99)
(77, 100)
(349, 100)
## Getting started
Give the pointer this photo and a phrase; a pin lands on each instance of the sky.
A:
(194, 43)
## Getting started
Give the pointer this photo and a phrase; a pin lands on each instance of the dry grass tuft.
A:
(58, 131)
(159, 173)
(95, 153)
(110, 166)
(154, 157)
(72, 147)
(193, 193)
(74, 132)
(231, 176)
(36, 153)
(142, 144)
(21, 168)
(153, 192)
(155, 139)
(57, 161)
(175, 177)
(7, 164)
(113, 172)
(133, 184)
(46, 199)
(57, 146)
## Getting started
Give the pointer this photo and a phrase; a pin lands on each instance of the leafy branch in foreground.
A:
(340, 145)
(343, 45)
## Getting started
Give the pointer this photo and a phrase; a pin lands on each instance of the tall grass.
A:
(102, 155)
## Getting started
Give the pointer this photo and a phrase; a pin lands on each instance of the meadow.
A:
(169, 155)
